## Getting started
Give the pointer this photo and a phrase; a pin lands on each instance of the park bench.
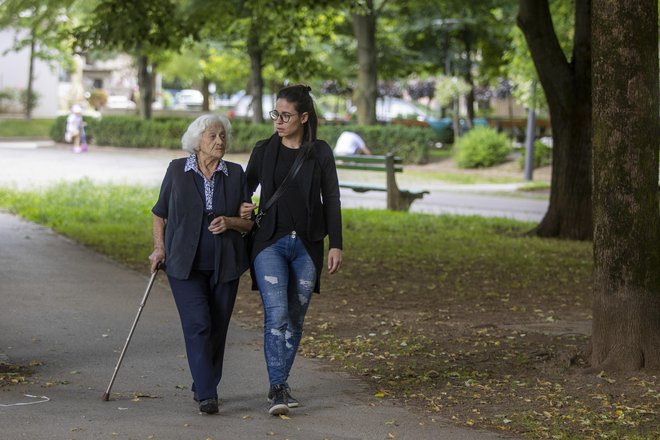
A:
(397, 199)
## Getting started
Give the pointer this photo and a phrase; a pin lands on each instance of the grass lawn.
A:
(464, 317)
(18, 128)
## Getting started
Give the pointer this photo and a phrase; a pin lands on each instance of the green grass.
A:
(116, 220)
(113, 220)
(17, 128)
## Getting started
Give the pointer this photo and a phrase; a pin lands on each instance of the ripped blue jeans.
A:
(286, 277)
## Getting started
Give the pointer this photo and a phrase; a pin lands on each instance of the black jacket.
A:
(318, 176)
(181, 204)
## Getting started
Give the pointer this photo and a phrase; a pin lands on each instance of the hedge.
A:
(410, 143)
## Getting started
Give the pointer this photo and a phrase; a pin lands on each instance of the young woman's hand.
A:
(334, 260)
(246, 210)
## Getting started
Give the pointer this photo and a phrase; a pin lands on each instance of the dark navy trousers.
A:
(205, 311)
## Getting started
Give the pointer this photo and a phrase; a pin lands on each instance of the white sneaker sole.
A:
(279, 410)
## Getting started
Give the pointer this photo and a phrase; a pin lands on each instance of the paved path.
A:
(70, 310)
(30, 164)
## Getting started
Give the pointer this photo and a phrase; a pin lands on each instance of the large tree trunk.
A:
(366, 92)
(567, 88)
(256, 79)
(145, 83)
(626, 308)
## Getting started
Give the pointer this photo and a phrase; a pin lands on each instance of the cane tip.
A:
(106, 397)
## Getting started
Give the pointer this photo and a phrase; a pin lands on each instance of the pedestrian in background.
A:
(287, 250)
(350, 143)
(75, 129)
(198, 232)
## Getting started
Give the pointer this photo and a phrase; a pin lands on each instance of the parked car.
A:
(120, 102)
(388, 108)
(188, 99)
(243, 107)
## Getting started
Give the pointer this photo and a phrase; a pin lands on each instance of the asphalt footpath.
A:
(67, 311)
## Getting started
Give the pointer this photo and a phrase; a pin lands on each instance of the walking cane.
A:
(106, 395)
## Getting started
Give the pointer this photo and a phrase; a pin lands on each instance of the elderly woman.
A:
(197, 232)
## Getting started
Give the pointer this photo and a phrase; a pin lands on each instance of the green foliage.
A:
(138, 28)
(542, 155)
(28, 102)
(23, 128)
(97, 98)
(481, 147)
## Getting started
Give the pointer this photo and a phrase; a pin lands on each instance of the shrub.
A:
(97, 98)
(481, 147)
(542, 155)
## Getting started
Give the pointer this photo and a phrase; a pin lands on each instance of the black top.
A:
(314, 201)
(291, 216)
(206, 246)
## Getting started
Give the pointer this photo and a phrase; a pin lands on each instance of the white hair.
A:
(191, 138)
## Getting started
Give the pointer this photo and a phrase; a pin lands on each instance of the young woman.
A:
(287, 250)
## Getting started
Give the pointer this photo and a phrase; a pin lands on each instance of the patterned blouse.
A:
(209, 184)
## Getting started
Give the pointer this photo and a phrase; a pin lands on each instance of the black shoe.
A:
(278, 403)
(291, 401)
(209, 406)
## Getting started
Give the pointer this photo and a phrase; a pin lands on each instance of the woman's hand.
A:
(157, 257)
(334, 260)
(246, 210)
(220, 224)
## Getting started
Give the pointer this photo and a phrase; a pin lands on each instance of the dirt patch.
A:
(507, 360)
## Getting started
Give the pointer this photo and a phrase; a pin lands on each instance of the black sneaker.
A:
(209, 406)
(291, 401)
(278, 403)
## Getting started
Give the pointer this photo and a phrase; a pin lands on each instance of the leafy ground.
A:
(462, 317)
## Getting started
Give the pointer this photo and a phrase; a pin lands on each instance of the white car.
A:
(243, 108)
(188, 99)
(120, 102)
(388, 108)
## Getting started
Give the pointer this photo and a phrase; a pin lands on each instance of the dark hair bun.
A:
(307, 88)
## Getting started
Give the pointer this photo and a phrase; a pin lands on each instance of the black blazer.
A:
(181, 204)
(318, 176)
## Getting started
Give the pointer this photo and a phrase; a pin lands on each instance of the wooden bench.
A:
(397, 200)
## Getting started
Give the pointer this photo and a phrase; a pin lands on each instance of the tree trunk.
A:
(256, 79)
(567, 88)
(145, 83)
(626, 307)
(469, 97)
(29, 102)
(206, 106)
(366, 92)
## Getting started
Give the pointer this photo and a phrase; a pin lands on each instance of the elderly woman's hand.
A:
(247, 209)
(156, 257)
(220, 224)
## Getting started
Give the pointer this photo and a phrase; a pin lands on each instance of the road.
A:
(37, 164)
